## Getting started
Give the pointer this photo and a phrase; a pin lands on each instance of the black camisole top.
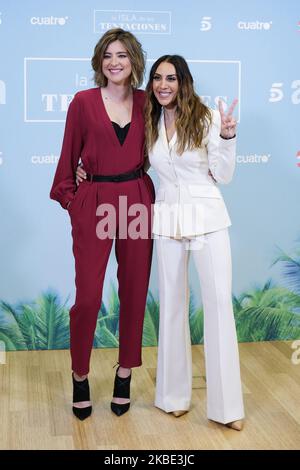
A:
(121, 131)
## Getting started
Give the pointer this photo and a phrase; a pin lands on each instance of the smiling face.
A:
(116, 65)
(165, 85)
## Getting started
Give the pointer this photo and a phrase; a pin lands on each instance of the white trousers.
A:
(212, 258)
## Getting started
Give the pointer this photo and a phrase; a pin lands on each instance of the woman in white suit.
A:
(192, 148)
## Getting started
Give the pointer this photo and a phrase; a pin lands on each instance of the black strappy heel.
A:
(121, 390)
(81, 392)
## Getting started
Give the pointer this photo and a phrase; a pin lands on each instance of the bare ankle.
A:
(79, 378)
(123, 372)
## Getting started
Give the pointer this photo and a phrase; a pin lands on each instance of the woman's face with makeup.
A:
(165, 84)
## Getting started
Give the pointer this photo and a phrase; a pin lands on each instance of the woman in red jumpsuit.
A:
(105, 130)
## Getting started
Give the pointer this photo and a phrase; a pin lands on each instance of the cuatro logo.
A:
(255, 25)
(48, 20)
(253, 158)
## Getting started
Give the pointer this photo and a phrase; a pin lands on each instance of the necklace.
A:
(107, 97)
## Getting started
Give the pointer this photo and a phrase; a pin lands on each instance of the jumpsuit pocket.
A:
(75, 199)
(72, 203)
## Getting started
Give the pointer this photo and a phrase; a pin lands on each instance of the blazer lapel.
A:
(163, 134)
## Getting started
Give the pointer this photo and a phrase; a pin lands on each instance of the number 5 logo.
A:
(206, 23)
(276, 93)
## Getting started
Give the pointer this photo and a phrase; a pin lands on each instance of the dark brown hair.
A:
(192, 116)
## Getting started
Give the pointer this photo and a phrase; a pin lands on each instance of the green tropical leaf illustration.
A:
(263, 313)
(151, 321)
(43, 324)
(105, 339)
(291, 269)
(267, 313)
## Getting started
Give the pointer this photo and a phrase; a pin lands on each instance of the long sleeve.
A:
(221, 152)
(64, 185)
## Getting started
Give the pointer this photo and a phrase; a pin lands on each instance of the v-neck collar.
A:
(108, 123)
(172, 142)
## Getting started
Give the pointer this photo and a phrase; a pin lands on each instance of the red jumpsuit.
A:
(90, 136)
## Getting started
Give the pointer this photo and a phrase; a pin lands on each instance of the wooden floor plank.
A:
(36, 393)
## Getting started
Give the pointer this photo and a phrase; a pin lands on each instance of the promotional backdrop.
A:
(249, 50)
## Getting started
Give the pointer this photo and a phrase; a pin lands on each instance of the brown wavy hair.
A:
(192, 116)
(135, 53)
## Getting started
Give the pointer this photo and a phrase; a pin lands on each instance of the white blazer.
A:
(188, 201)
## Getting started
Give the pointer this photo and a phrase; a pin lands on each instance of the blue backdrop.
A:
(248, 50)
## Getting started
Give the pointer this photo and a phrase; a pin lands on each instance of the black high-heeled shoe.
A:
(121, 390)
(81, 392)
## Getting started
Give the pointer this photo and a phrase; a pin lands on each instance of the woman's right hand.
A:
(80, 175)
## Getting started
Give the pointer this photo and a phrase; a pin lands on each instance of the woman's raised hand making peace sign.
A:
(228, 123)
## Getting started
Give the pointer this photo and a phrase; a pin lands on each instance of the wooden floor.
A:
(35, 410)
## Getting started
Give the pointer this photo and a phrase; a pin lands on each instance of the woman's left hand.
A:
(80, 174)
(228, 123)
